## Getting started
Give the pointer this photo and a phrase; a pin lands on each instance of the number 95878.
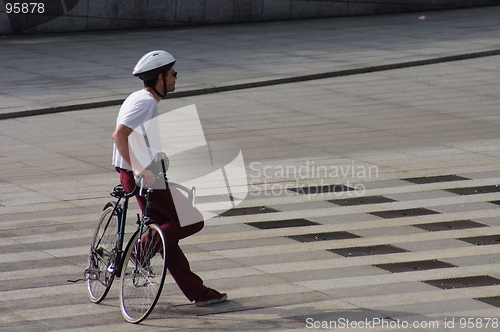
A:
(24, 8)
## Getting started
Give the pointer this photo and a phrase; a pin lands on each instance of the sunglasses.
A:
(174, 74)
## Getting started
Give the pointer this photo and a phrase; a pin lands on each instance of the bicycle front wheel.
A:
(143, 273)
(100, 272)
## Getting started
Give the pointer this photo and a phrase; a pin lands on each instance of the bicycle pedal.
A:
(91, 274)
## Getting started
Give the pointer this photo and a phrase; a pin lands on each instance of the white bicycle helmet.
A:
(152, 64)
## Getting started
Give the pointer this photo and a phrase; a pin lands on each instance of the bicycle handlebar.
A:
(119, 192)
(159, 165)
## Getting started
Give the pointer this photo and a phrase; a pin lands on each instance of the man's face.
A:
(171, 78)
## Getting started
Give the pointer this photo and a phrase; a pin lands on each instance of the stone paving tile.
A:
(400, 230)
(472, 260)
(295, 276)
(465, 305)
(410, 288)
(433, 245)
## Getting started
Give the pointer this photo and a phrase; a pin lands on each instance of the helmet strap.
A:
(164, 88)
(159, 94)
(164, 85)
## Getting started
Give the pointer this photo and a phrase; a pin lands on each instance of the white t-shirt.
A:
(139, 107)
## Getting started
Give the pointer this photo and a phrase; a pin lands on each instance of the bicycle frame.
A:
(121, 213)
(109, 256)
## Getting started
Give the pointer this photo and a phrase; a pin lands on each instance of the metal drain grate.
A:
(435, 179)
(414, 266)
(404, 213)
(475, 190)
(247, 210)
(449, 225)
(362, 200)
(367, 251)
(323, 236)
(482, 240)
(492, 300)
(463, 282)
(282, 223)
(332, 188)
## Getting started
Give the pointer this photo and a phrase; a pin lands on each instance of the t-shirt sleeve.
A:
(136, 115)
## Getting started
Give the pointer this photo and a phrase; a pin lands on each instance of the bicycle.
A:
(142, 267)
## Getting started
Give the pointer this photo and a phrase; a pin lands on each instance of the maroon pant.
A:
(163, 213)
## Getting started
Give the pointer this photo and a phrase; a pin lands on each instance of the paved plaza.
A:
(386, 180)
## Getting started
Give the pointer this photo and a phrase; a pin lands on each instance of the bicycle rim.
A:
(100, 272)
(143, 273)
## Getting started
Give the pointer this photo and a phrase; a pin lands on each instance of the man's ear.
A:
(160, 77)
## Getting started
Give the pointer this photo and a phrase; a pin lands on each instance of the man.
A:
(156, 69)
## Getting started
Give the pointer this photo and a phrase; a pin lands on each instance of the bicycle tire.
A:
(143, 273)
(100, 273)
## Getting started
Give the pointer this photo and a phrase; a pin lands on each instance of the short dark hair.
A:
(151, 83)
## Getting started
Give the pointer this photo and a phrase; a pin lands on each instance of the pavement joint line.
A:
(241, 86)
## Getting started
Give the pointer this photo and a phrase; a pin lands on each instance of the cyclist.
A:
(156, 69)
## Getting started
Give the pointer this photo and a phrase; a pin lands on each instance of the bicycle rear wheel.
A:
(100, 272)
(143, 273)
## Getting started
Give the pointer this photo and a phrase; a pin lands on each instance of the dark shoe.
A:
(209, 297)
